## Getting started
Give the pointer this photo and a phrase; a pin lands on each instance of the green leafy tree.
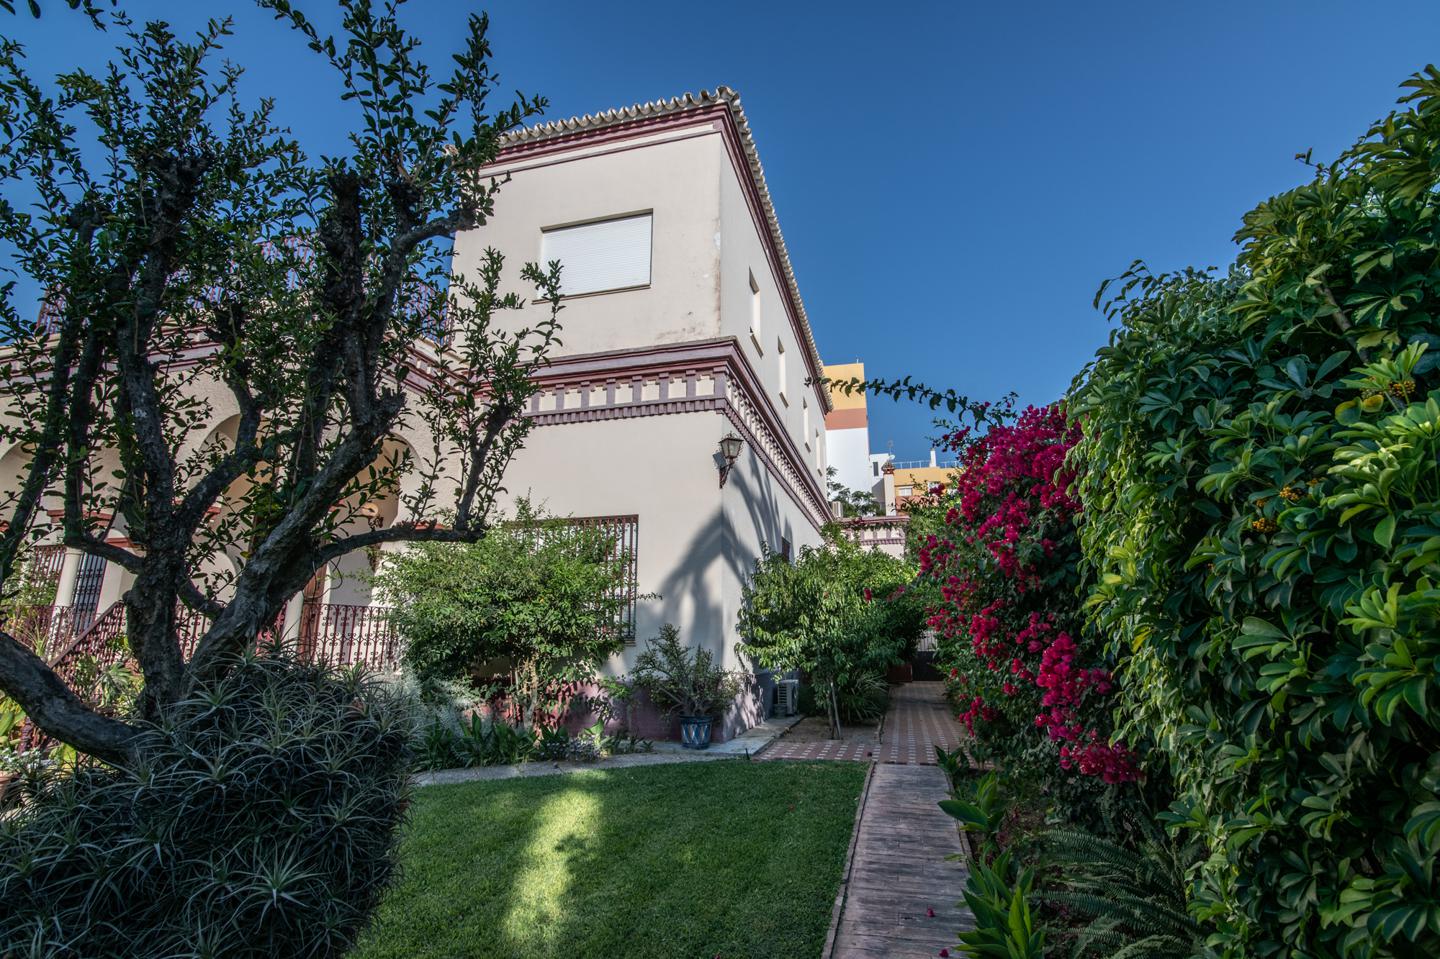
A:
(852, 502)
(826, 614)
(183, 238)
(538, 600)
(1260, 498)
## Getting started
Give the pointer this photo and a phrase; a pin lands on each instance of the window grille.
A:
(86, 596)
(623, 536)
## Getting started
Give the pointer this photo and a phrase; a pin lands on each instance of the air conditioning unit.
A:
(787, 697)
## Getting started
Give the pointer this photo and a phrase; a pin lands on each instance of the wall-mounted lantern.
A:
(730, 446)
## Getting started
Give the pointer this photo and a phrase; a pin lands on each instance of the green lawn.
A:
(729, 858)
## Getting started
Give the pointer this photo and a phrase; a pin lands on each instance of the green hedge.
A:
(1262, 524)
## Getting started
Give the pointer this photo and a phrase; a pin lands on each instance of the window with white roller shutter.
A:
(601, 256)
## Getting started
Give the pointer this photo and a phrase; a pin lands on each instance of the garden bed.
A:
(703, 859)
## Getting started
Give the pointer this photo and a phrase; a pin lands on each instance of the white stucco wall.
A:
(660, 468)
(676, 178)
(743, 254)
(850, 455)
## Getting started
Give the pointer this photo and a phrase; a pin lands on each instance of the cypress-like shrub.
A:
(258, 818)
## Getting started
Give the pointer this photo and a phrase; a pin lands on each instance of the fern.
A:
(1133, 898)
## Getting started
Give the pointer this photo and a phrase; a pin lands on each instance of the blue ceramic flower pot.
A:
(695, 731)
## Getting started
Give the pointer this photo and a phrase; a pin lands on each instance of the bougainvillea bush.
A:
(1033, 691)
(1261, 508)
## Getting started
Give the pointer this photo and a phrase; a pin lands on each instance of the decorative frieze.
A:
(709, 376)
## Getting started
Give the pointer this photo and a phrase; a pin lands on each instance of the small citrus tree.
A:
(824, 614)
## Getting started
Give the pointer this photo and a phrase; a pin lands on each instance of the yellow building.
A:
(917, 479)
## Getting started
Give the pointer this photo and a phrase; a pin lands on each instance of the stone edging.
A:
(841, 892)
(747, 745)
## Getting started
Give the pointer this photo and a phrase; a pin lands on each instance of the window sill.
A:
(755, 340)
(565, 297)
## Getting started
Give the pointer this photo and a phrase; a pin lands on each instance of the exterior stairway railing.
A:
(344, 634)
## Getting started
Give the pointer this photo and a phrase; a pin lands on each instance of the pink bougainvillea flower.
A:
(930, 913)
(1013, 491)
(944, 954)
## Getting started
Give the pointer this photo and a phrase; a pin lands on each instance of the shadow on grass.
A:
(733, 859)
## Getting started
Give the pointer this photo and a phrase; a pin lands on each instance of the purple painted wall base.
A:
(750, 707)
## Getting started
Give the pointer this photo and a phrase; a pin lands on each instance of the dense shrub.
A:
(1262, 513)
(828, 613)
(537, 601)
(259, 818)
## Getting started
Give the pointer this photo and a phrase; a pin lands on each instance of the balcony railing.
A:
(925, 464)
(344, 635)
(40, 629)
(82, 657)
(876, 530)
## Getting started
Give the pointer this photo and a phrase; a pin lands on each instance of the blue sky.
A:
(954, 180)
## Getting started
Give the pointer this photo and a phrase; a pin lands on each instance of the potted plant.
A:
(686, 681)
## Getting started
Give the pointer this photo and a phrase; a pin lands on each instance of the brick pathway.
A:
(919, 720)
(849, 750)
(900, 896)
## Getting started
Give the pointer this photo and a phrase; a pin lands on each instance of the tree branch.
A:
(408, 532)
(55, 708)
(95, 546)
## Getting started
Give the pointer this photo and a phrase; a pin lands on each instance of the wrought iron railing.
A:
(344, 635)
(338, 634)
(39, 628)
(45, 563)
(99, 644)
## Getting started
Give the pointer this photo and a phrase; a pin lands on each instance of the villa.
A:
(683, 413)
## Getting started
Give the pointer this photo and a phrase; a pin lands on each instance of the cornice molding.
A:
(694, 377)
